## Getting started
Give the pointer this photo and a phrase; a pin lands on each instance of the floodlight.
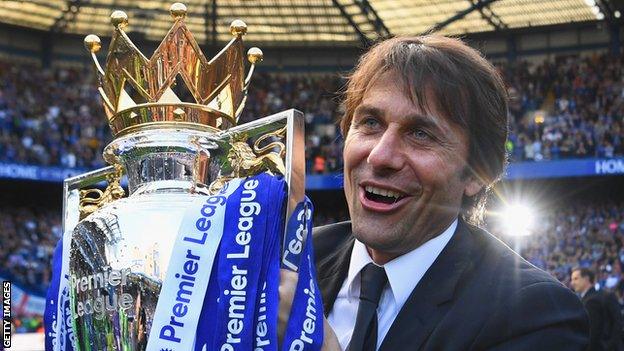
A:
(518, 219)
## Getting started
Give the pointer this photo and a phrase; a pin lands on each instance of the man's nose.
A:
(387, 153)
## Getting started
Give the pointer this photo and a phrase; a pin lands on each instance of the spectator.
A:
(605, 319)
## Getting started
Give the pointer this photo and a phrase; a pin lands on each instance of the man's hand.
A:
(330, 341)
(288, 285)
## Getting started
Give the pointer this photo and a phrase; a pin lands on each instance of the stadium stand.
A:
(583, 101)
(50, 117)
(569, 107)
(587, 235)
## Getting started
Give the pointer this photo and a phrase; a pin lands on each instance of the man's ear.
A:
(473, 186)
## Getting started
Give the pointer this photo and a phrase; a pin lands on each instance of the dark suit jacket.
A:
(605, 321)
(477, 295)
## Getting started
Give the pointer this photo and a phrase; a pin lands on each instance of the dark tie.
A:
(373, 280)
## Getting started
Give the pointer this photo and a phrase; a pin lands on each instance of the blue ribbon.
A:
(240, 262)
(297, 231)
(57, 319)
(305, 323)
(265, 320)
(50, 315)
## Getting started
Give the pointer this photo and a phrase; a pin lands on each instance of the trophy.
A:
(172, 152)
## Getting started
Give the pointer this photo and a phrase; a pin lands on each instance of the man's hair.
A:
(586, 273)
(465, 87)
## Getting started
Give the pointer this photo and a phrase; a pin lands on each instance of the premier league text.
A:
(295, 245)
(187, 273)
(6, 314)
(237, 293)
(309, 323)
(262, 329)
(97, 304)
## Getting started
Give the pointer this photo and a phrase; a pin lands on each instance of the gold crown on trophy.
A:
(219, 86)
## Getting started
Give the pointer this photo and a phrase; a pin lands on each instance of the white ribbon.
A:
(184, 288)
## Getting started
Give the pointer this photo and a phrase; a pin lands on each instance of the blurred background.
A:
(560, 205)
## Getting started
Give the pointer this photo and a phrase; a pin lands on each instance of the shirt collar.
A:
(586, 291)
(404, 272)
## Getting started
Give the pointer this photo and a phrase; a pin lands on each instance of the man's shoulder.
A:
(599, 296)
(497, 259)
(512, 271)
(519, 303)
(329, 237)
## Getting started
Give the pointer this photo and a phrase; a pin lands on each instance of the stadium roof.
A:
(276, 22)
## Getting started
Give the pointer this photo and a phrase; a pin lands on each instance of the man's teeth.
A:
(382, 192)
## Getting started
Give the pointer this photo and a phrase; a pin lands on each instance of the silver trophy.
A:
(171, 152)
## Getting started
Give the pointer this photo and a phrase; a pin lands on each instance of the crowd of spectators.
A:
(569, 107)
(28, 237)
(587, 235)
(566, 107)
(50, 117)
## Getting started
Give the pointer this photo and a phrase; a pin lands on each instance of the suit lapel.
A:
(332, 271)
(426, 305)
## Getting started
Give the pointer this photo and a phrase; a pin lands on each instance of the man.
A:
(605, 320)
(425, 129)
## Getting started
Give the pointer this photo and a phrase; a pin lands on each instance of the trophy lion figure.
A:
(246, 161)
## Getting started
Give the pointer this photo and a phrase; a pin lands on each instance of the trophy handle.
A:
(295, 161)
(246, 161)
(78, 203)
(292, 123)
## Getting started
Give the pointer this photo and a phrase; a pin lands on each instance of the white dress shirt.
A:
(404, 273)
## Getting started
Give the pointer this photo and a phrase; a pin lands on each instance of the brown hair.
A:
(467, 89)
(585, 273)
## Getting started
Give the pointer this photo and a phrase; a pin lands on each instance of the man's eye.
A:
(421, 134)
(370, 123)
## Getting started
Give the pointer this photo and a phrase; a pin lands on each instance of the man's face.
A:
(579, 283)
(404, 171)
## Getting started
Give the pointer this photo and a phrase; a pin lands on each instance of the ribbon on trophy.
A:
(296, 234)
(182, 294)
(221, 287)
(57, 317)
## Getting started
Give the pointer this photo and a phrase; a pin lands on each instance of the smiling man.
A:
(425, 127)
